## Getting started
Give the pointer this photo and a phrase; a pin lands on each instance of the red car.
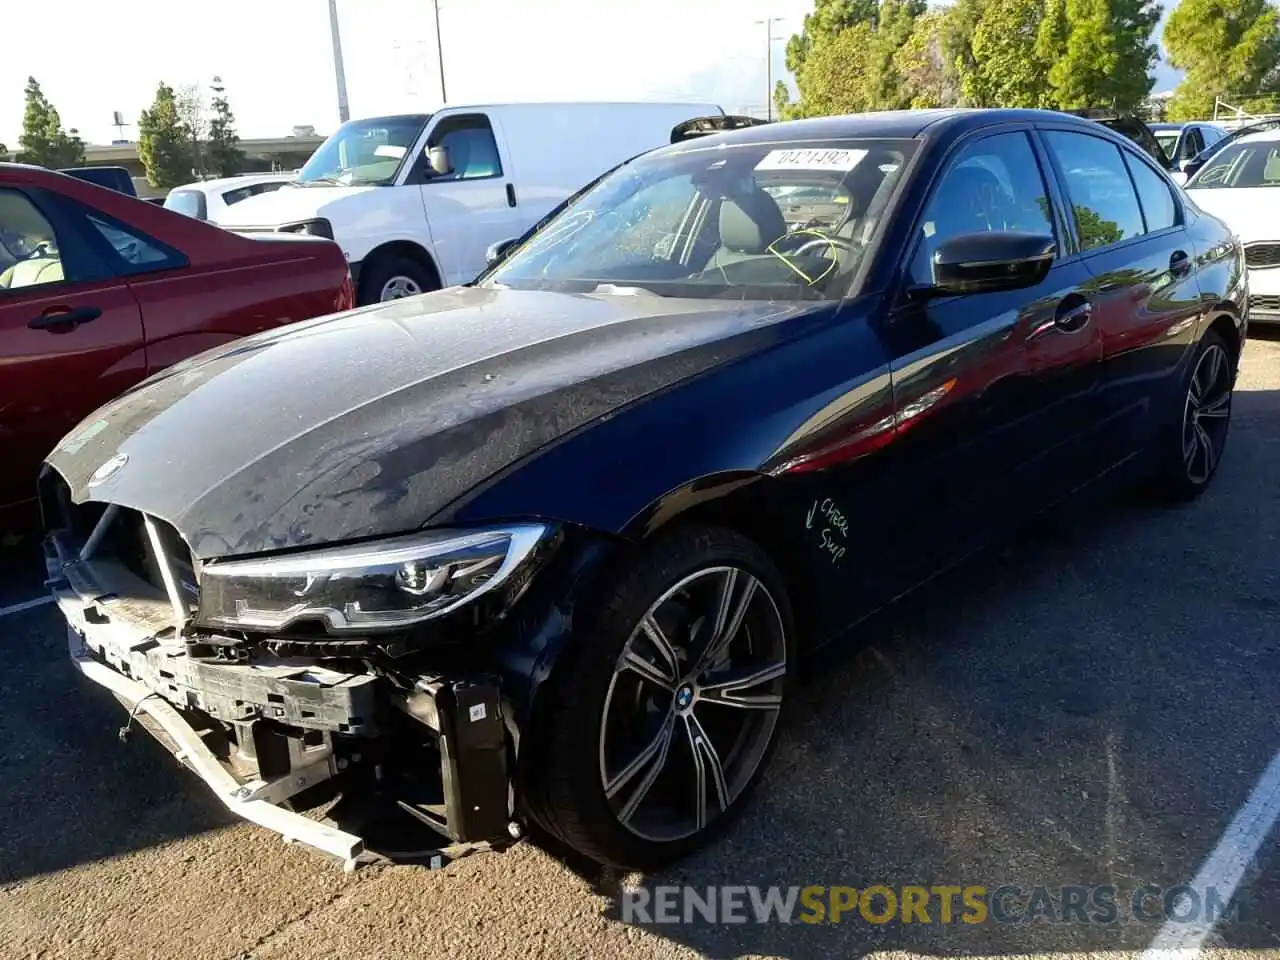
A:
(99, 290)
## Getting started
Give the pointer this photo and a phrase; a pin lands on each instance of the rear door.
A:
(993, 391)
(475, 203)
(71, 334)
(1128, 223)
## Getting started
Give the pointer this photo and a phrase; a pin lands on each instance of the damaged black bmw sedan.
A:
(547, 549)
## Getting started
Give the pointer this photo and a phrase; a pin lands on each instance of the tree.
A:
(828, 19)
(835, 77)
(226, 159)
(894, 24)
(44, 142)
(927, 68)
(1228, 48)
(1099, 51)
(190, 104)
(845, 60)
(4, 153)
(1008, 69)
(164, 145)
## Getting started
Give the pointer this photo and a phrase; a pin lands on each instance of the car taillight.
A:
(346, 294)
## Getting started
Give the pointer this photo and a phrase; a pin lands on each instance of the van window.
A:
(473, 153)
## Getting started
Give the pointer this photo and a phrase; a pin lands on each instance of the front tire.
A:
(394, 278)
(1190, 447)
(665, 708)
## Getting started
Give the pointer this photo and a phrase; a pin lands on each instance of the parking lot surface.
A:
(1090, 706)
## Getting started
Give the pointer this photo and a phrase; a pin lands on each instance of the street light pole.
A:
(344, 112)
(439, 50)
(768, 61)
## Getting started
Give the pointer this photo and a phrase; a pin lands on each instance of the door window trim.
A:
(417, 171)
(906, 258)
(81, 262)
(120, 267)
(1069, 210)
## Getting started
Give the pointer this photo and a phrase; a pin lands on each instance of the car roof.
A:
(886, 124)
(222, 183)
(1261, 136)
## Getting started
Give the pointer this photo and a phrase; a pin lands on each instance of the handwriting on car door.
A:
(834, 526)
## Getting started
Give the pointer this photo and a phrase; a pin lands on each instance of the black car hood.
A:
(366, 423)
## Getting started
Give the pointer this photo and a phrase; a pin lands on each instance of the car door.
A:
(474, 204)
(71, 334)
(992, 390)
(1128, 223)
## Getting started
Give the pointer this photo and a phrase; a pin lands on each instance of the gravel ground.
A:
(1089, 706)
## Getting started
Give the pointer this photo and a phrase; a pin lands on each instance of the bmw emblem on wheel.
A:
(108, 469)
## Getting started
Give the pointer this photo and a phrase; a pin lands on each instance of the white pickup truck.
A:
(416, 200)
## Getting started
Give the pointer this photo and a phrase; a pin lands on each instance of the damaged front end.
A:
(354, 676)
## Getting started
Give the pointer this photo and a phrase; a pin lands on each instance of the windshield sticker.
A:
(839, 160)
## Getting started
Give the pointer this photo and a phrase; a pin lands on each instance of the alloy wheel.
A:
(396, 288)
(692, 704)
(1206, 414)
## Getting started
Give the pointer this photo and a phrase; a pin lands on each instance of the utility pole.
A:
(439, 50)
(768, 60)
(344, 112)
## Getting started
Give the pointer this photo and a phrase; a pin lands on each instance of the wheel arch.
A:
(741, 500)
(1224, 319)
(402, 248)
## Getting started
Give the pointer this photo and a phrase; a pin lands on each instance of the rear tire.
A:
(687, 664)
(1194, 438)
(393, 278)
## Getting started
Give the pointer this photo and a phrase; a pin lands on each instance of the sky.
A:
(275, 59)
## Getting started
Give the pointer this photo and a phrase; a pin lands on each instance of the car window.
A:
(1098, 187)
(473, 153)
(28, 245)
(1168, 140)
(135, 249)
(188, 202)
(1193, 143)
(1159, 208)
(994, 184)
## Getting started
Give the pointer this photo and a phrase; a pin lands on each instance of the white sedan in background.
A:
(1241, 185)
(209, 199)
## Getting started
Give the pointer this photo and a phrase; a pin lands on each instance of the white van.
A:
(416, 200)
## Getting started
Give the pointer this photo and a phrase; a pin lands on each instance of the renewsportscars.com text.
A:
(946, 904)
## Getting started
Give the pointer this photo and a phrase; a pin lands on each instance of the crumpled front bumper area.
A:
(260, 732)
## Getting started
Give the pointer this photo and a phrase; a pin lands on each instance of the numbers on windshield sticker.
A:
(839, 160)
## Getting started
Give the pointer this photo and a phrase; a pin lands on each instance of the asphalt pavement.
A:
(1090, 707)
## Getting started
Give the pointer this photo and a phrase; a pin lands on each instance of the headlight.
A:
(318, 228)
(381, 585)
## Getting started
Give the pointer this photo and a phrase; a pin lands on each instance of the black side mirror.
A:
(985, 262)
(498, 251)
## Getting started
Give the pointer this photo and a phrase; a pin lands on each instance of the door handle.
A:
(1179, 263)
(1073, 313)
(56, 317)
(1074, 317)
(511, 195)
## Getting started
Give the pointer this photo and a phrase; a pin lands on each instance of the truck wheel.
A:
(393, 278)
(665, 707)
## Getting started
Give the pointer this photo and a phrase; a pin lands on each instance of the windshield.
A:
(1241, 165)
(767, 221)
(363, 152)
